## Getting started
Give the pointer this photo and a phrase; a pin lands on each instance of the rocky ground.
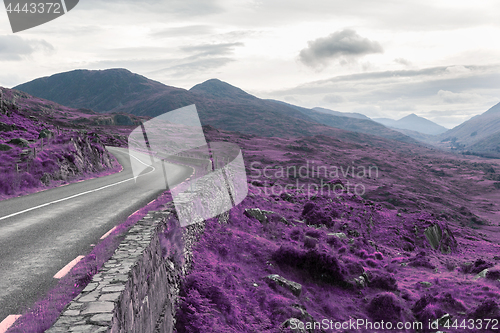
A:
(43, 144)
(420, 244)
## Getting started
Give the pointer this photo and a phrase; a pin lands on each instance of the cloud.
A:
(194, 67)
(402, 61)
(211, 49)
(185, 8)
(451, 97)
(189, 30)
(332, 98)
(14, 48)
(345, 44)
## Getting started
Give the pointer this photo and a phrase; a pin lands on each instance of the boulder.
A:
(481, 274)
(294, 287)
(441, 238)
(6, 127)
(339, 235)
(4, 147)
(445, 320)
(19, 142)
(123, 120)
(310, 242)
(293, 323)
(45, 133)
(258, 214)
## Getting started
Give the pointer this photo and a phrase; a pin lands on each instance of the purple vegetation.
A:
(377, 257)
(389, 253)
(385, 306)
(43, 144)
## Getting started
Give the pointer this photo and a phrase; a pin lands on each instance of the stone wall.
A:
(134, 291)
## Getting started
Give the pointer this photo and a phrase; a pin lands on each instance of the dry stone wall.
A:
(136, 290)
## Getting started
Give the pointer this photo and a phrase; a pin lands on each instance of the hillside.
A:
(415, 123)
(341, 114)
(219, 104)
(44, 144)
(478, 134)
(405, 250)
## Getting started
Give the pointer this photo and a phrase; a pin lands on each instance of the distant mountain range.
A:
(219, 104)
(415, 123)
(342, 114)
(230, 108)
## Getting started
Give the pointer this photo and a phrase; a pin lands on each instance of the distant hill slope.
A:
(341, 114)
(415, 123)
(367, 126)
(385, 121)
(475, 129)
(219, 104)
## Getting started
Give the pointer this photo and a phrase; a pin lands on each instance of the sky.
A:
(439, 59)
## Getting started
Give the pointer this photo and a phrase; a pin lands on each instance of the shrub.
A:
(421, 260)
(315, 215)
(430, 313)
(385, 306)
(480, 265)
(385, 282)
(310, 243)
(487, 309)
(493, 274)
(296, 234)
(314, 233)
(371, 263)
(317, 262)
(422, 303)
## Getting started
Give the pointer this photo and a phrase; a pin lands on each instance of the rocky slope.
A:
(419, 244)
(43, 144)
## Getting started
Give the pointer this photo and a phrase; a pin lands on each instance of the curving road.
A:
(42, 232)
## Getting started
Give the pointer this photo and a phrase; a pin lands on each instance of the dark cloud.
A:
(211, 49)
(14, 48)
(345, 44)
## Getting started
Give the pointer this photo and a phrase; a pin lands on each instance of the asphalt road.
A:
(42, 232)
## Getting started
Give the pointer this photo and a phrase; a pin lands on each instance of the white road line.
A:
(8, 322)
(65, 270)
(108, 233)
(79, 194)
(135, 212)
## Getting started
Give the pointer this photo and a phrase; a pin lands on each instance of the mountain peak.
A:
(411, 116)
(221, 89)
(98, 90)
(495, 109)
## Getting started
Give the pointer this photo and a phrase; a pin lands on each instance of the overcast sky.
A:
(439, 59)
